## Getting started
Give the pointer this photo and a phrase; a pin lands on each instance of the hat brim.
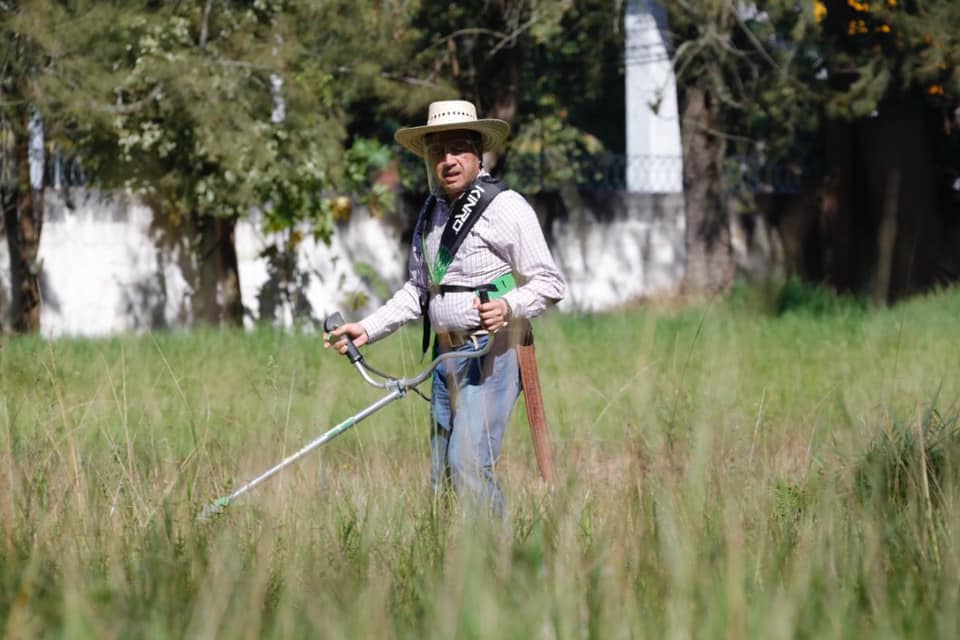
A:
(493, 133)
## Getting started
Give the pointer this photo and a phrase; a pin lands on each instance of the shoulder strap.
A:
(420, 228)
(466, 211)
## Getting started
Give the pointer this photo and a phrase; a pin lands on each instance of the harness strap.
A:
(464, 213)
(496, 289)
(459, 288)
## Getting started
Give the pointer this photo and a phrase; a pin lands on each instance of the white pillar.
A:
(36, 151)
(654, 161)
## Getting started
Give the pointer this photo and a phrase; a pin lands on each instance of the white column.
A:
(654, 163)
(35, 149)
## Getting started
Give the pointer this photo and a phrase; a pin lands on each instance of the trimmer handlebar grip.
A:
(335, 320)
(484, 295)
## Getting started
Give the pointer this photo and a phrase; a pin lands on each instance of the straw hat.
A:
(449, 115)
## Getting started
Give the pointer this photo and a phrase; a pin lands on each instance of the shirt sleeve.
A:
(517, 236)
(403, 307)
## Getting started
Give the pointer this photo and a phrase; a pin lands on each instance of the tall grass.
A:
(738, 470)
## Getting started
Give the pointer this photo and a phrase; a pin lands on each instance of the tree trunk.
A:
(228, 269)
(709, 267)
(886, 240)
(898, 142)
(23, 221)
(217, 298)
(836, 220)
(204, 299)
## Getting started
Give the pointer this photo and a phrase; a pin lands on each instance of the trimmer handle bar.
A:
(397, 388)
(335, 320)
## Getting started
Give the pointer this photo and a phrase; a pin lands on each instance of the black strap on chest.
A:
(465, 212)
(463, 215)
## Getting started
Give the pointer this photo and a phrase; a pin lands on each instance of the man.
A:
(474, 239)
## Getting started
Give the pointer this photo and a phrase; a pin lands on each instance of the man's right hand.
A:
(352, 330)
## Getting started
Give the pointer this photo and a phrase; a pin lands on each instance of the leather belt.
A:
(456, 339)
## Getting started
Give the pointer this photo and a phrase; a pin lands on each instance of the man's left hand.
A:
(493, 314)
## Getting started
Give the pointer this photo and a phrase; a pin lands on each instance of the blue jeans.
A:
(471, 405)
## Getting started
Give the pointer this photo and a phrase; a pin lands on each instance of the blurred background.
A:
(228, 163)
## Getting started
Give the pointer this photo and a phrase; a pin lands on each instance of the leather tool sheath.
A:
(533, 398)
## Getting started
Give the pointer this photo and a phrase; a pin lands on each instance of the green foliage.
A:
(180, 101)
(380, 287)
(760, 68)
(796, 296)
(574, 71)
(365, 161)
(544, 153)
(554, 69)
(777, 74)
(218, 108)
(879, 49)
(908, 455)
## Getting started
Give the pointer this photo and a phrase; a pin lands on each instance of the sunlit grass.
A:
(725, 472)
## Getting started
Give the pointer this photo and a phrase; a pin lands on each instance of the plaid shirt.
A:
(507, 238)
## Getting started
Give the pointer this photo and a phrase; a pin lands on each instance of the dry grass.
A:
(709, 461)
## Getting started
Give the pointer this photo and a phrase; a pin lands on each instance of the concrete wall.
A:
(108, 267)
(616, 247)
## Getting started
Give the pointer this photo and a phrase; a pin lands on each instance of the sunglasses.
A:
(440, 149)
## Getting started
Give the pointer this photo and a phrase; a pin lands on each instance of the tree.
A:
(743, 106)
(703, 60)
(27, 55)
(20, 58)
(543, 66)
(890, 108)
(210, 110)
(828, 89)
(228, 113)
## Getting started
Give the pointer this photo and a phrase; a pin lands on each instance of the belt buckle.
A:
(456, 339)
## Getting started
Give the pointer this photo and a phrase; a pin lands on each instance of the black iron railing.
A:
(538, 173)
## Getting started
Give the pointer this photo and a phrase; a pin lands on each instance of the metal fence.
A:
(647, 174)
(538, 173)
(545, 173)
(785, 178)
(535, 173)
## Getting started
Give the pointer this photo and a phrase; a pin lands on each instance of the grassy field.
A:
(727, 472)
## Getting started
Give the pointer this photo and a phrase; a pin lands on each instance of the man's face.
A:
(455, 159)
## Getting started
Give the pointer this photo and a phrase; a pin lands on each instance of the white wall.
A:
(106, 269)
(628, 248)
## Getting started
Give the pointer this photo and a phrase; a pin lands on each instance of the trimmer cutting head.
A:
(213, 509)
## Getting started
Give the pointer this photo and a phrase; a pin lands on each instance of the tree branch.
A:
(205, 24)
(511, 38)
(469, 31)
(243, 64)
(133, 106)
(417, 82)
(752, 37)
(722, 134)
